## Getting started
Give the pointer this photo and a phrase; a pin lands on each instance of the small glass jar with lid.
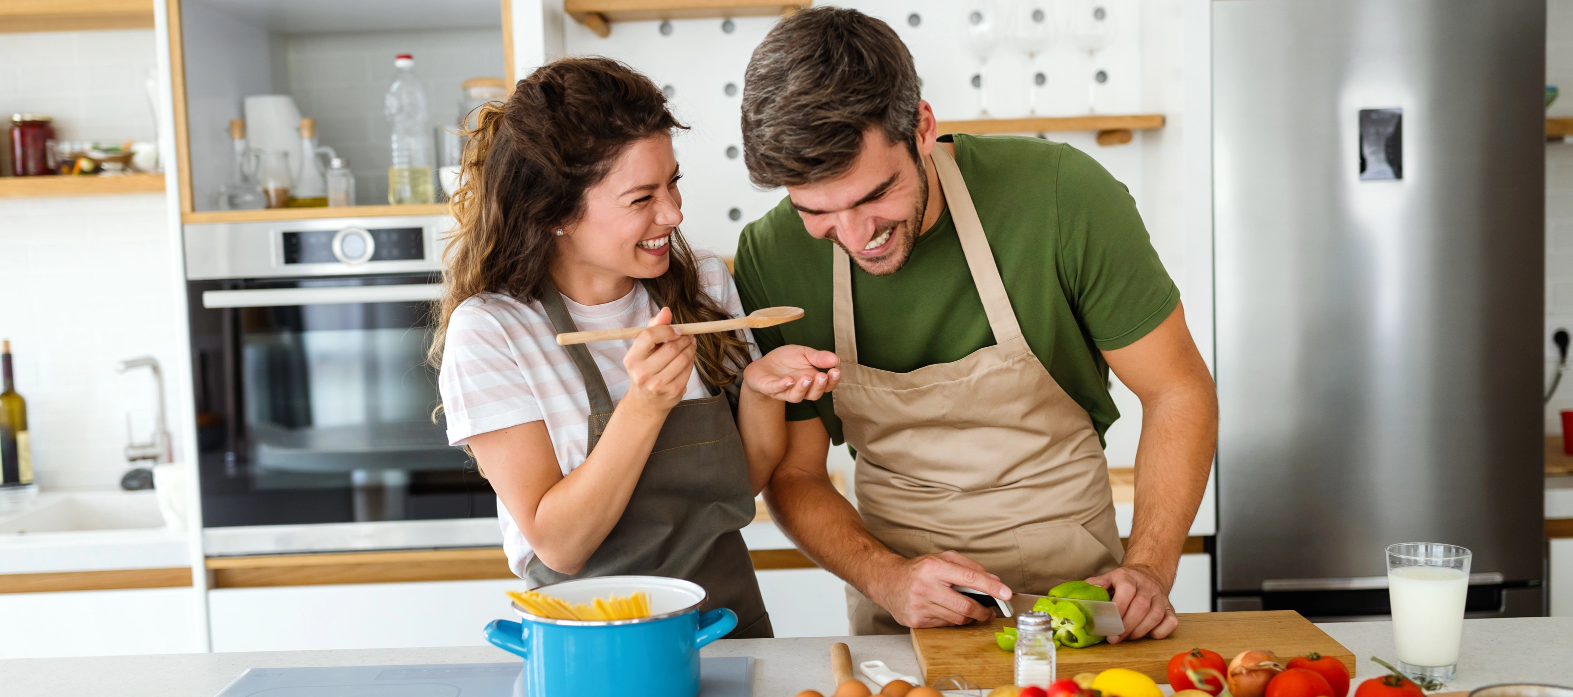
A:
(30, 138)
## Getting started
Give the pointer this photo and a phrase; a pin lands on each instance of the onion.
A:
(1250, 672)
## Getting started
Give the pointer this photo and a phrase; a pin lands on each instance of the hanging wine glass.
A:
(1093, 29)
(1036, 28)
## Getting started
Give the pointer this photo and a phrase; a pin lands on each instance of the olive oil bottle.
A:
(16, 461)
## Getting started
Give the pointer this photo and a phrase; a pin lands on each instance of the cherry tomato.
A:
(1063, 688)
(1329, 668)
(1032, 691)
(1299, 682)
(1389, 686)
(1199, 660)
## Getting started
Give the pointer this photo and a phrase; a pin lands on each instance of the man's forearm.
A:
(1173, 461)
(818, 519)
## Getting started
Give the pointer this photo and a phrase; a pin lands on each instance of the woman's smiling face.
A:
(629, 216)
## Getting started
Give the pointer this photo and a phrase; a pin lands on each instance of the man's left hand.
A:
(1143, 601)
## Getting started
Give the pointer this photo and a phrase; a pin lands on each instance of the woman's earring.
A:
(559, 233)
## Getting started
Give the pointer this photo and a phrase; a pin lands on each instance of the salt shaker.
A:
(1034, 650)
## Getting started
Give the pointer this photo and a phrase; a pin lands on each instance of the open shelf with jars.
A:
(286, 70)
(139, 183)
(1111, 129)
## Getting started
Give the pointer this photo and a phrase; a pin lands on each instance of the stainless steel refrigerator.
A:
(1379, 215)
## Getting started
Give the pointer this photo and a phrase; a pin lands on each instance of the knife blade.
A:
(1105, 615)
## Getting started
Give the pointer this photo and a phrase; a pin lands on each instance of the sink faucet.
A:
(156, 450)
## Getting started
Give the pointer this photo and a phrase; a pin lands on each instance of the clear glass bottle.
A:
(310, 189)
(341, 184)
(1035, 658)
(241, 192)
(410, 173)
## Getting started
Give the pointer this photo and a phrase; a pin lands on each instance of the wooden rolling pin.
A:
(840, 662)
(758, 319)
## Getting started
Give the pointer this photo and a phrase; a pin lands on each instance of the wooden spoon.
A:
(765, 317)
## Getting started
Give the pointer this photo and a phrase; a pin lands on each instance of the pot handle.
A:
(509, 636)
(712, 625)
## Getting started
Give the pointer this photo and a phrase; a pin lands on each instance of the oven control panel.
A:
(353, 245)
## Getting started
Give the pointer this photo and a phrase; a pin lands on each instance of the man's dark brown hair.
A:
(817, 82)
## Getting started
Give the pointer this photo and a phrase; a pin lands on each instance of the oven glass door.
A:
(316, 403)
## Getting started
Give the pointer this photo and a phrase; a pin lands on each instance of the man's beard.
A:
(905, 239)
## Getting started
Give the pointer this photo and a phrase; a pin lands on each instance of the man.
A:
(977, 292)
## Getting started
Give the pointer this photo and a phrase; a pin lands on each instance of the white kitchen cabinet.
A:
(98, 623)
(1193, 584)
(1562, 577)
(804, 602)
(358, 616)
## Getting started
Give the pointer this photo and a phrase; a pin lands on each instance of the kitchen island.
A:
(1536, 649)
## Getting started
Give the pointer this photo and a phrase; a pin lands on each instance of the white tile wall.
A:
(87, 281)
(92, 83)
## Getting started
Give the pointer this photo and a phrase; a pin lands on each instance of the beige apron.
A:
(986, 456)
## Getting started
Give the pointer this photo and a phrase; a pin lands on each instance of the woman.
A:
(615, 457)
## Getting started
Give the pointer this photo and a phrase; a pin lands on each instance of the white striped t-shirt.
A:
(501, 367)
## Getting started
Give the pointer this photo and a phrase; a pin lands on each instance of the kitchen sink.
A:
(85, 511)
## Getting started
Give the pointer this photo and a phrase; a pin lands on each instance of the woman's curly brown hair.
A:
(526, 169)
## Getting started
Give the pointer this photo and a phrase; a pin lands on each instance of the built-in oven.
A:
(315, 400)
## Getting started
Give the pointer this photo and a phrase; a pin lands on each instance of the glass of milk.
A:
(1427, 582)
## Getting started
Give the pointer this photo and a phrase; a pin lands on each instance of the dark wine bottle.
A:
(16, 460)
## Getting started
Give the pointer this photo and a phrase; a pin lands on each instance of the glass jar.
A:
(341, 184)
(30, 136)
(1034, 650)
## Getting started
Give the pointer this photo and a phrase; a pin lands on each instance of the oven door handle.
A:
(277, 297)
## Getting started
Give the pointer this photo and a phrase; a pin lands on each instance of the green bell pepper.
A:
(1081, 590)
(1006, 638)
(1069, 625)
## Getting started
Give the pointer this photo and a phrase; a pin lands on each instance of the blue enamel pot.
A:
(655, 656)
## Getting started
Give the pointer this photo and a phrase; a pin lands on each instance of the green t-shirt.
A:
(1070, 246)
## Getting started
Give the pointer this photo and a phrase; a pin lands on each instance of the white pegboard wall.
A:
(698, 58)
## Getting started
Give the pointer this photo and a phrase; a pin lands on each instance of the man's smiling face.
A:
(875, 209)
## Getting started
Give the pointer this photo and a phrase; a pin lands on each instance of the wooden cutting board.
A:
(970, 651)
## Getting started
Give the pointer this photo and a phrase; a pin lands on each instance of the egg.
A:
(852, 688)
(924, 691)
(809, 693)
(896, 688)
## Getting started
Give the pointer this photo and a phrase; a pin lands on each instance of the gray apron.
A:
(693, 497)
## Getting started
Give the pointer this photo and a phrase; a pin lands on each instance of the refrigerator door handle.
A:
(1490, 578)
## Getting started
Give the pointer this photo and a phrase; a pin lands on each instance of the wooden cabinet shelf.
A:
(597, 15)
(1559, 128)
(1112, 130)
(312, 213)
(19, 187)
(21, 16)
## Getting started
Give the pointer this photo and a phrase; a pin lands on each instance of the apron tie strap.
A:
(975, 246)
(594, 384)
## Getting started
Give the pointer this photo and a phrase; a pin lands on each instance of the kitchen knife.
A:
(1105, 615)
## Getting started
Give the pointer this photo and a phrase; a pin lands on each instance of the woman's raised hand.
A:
(792, 374)
(659, 364)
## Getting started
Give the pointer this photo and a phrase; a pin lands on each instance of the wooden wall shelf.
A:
(22, 16)
(312, 213)
(1112, 130)
(18, 187)
(597, 15)
(1559, 128)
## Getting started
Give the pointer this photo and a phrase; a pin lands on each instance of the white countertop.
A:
(1495, 651)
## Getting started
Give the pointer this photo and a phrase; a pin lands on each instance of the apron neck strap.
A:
(594, 384)
(974, 245)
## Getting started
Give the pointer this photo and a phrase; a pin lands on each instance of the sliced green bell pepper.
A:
(1006, 638)
(1069, 625)
(1081, 590)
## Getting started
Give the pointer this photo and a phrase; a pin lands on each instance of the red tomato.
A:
(1299, 682)
(1328, 667)
(1032, 691)
(1062, 688)
(1199, 660)
(1389, 686)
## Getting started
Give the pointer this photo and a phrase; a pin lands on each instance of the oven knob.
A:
(353, 245)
